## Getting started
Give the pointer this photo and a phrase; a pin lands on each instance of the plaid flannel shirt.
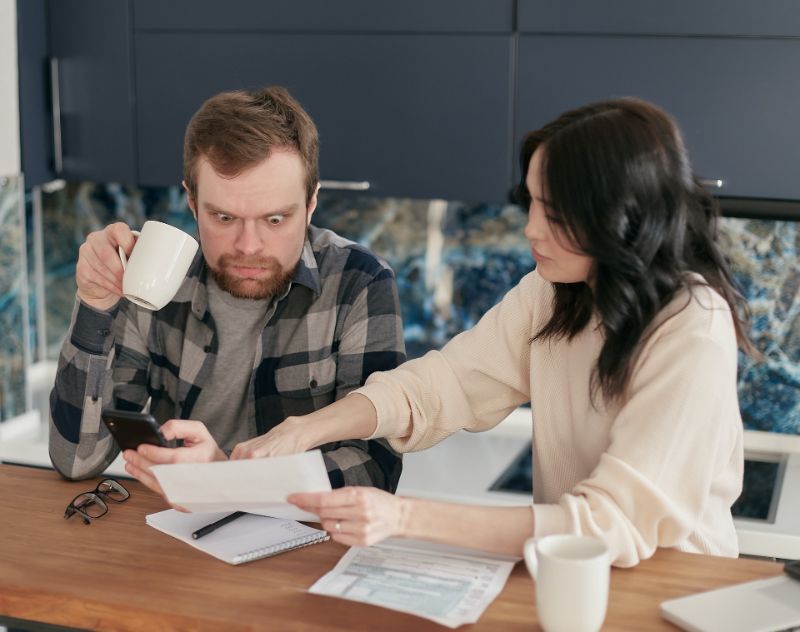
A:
(338, 322)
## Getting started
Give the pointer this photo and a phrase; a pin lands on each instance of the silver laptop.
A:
(764, 605)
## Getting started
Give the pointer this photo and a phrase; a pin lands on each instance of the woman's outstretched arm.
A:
(352, 417)
(366, 515)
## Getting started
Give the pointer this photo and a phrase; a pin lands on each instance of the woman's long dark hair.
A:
(619, 183)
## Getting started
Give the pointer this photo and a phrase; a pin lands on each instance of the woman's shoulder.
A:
(535, 285)
(693, 331)
(534, 292)
(521, 309)
(697, 308)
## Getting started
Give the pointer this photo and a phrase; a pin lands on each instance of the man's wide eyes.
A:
(272, 220)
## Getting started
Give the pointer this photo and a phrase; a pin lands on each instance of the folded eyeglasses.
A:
(92, 505)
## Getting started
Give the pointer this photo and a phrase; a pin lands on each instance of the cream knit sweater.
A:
(659, 469)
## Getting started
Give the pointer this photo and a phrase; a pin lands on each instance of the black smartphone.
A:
(130, 429)
(792, 569)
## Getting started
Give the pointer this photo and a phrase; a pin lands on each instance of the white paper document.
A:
(258, 486)
(446, 585)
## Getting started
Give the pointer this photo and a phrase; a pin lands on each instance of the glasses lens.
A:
(90, 504)
(113, 490)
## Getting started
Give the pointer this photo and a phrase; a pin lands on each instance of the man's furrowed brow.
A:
(214, 208)
(284, 210)
(289, 208)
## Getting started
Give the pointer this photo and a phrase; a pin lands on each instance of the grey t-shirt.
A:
(225, 404)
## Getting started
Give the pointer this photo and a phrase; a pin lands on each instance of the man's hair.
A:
(237, 130)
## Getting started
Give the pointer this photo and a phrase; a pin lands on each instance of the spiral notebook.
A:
(248, 538)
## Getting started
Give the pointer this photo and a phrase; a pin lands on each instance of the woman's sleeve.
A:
(474, 382)
(675, 443)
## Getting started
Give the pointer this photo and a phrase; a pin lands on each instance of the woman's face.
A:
(558, 260)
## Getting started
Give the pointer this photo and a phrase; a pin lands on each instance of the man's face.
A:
(253, 227)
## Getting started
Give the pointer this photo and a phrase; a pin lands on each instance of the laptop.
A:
(763, 605)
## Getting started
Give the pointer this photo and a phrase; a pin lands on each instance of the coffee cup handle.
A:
(530, 560)
(121, 252)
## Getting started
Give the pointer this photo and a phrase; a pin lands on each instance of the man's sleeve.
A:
(372, 340)
(80, 445)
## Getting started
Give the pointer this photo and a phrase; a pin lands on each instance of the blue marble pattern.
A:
(453, 262)
(764, 257)
(13, 293)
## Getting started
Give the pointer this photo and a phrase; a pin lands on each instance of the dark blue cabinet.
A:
(309, 16)
(413, 98)
(735, 97)
(35, 132)
(732, 18)
(414, 115)
(75, 90)
(91, 90)
(421, 98)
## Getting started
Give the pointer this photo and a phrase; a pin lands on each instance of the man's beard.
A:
(275, 284)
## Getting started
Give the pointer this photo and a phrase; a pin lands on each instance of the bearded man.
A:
(275, 317)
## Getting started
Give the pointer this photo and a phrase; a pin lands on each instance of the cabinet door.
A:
(413, 114)
(408, 16)
(656, 17)
(36, 141)
(90, 39)
(734, 98)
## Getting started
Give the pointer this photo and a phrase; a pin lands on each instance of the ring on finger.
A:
(338, 526)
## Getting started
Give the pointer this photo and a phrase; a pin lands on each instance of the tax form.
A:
(448, 585)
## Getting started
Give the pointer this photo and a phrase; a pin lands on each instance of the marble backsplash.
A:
(453, 262)
(764, 255)
(13, 298)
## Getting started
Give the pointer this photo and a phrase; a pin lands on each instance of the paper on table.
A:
(437, 583)
(257, 486)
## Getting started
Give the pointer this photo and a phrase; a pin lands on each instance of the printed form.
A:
(447, 585)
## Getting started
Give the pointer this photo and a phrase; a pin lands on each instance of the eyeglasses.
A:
(92, 504)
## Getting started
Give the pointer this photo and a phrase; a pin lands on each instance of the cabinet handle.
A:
(345, 185)
(712, 183)
(55, 102)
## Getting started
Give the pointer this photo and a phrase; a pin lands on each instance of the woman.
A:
(624, 340)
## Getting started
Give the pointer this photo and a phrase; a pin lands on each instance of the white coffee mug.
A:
(571, 574)
(158, 264)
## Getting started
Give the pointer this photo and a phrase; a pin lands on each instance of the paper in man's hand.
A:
(253, 485)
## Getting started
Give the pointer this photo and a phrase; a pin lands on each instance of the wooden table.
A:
(120, 574)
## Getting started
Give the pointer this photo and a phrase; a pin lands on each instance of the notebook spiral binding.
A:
(269, 551)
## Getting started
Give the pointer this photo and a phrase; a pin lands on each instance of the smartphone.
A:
(792, 569)
(130, 429)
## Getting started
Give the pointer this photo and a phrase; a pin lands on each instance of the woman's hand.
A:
(292, 436)
(357, 516)
(198, 447)
(352, 417)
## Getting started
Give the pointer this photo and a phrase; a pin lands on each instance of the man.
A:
(275, 317)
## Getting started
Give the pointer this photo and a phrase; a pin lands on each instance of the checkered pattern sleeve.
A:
(80, 445)
(372, 340)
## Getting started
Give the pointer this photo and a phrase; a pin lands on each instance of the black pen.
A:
(216, 525)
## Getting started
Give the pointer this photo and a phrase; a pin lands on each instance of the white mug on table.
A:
(157, 265)
(571, 574)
